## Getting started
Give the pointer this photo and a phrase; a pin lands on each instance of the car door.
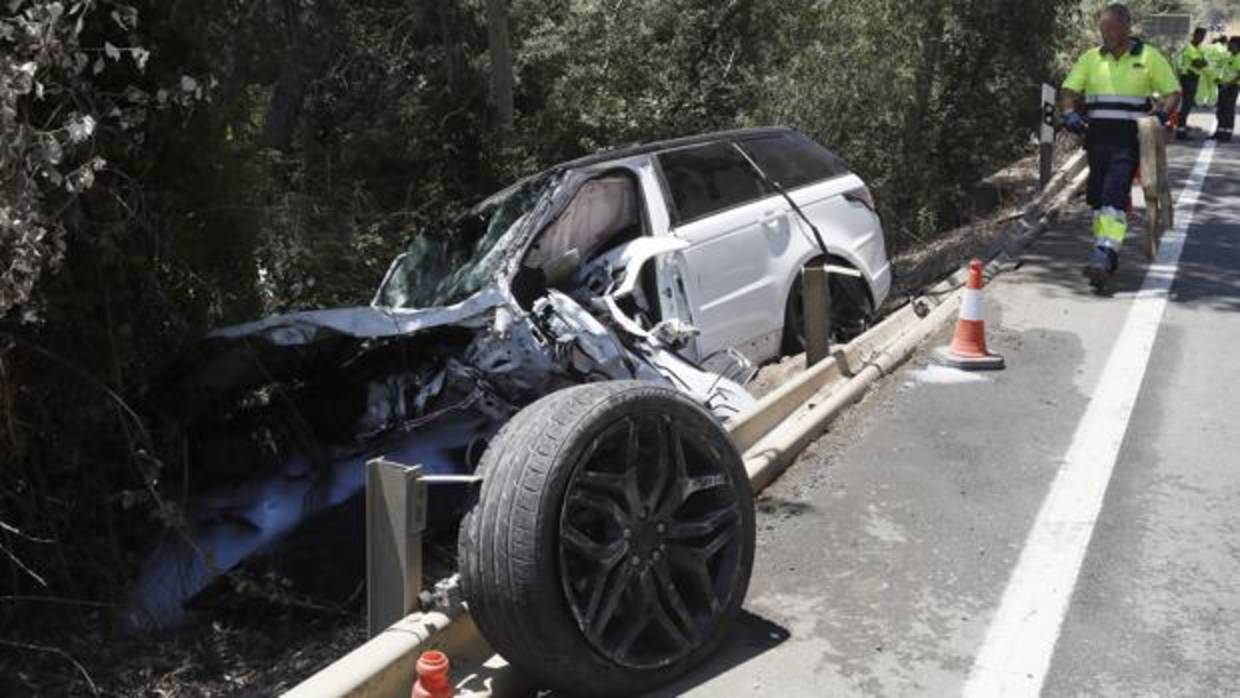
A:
(733, 224)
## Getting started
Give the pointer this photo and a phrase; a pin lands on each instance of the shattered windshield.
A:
(442, 267)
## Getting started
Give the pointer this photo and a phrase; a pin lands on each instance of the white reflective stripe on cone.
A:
(971, 305)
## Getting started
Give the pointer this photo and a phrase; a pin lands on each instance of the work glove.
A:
(1073, 122)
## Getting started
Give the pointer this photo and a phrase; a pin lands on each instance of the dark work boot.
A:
(1103, 262)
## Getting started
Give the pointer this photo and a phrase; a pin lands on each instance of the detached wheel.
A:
(852, 311)
(613, 538)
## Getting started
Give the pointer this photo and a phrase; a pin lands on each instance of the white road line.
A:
(1020, 642)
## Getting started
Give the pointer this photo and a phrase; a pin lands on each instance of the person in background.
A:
(1228, 91)
(1120, 82)
(1216, 55)
(1192, 62)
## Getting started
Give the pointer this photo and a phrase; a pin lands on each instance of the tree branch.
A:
(53, 650)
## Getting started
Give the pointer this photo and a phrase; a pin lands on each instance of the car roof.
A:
(658, 146)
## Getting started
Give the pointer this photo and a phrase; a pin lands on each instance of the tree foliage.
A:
(71, 78)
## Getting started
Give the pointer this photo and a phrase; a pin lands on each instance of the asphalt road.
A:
(1065, 527)
(890, 557)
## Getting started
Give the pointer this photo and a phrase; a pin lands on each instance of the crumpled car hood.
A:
(368, 322)
(289, 346)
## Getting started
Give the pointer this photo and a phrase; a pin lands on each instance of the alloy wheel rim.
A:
(650, 543)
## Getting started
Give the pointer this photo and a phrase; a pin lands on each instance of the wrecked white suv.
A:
(577, 340)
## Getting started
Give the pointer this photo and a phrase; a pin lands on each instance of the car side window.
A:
(709, 178)
(793, 161)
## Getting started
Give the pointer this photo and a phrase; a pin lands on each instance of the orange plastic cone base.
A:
(970, 339)
(433, 680)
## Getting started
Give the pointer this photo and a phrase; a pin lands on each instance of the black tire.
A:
(581, 564)
(852, 311)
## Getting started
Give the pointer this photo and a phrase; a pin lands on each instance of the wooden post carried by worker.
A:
(1159, 208)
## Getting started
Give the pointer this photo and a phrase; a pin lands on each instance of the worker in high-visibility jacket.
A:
(1216, 55)
(1120, 81)
(1192, 64)
(1228, 91)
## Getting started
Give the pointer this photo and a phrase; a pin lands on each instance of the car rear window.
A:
(709, 178)
(793, 161)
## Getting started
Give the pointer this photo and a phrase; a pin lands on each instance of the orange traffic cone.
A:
(968, 348)
(433, 680)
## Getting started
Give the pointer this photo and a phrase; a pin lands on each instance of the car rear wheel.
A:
(852, 312)
(612, 542)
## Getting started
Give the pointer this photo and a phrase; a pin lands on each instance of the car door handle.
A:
(770, 217)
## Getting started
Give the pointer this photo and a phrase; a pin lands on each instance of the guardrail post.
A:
(395, 519)
(816, 313)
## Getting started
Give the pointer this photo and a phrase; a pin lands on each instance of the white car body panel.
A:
(744, 261)
(728, 269)
(849, 229)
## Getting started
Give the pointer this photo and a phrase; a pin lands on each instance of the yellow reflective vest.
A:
(1229, 70)
(1188, 55)
(1119, 89)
